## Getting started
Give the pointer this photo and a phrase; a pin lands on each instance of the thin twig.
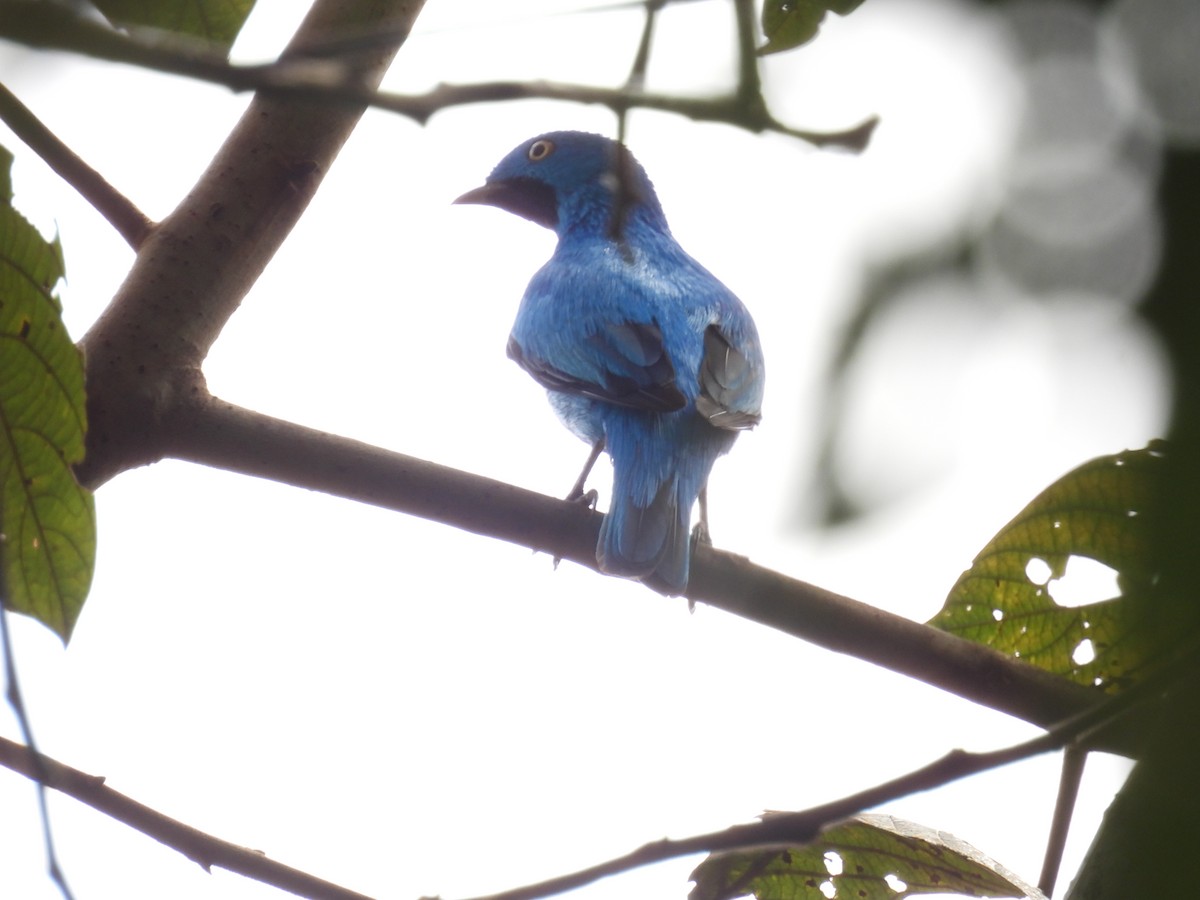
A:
(129, 221)
(509, 19)
(635, 83)
(1073, 761)
(729, 109)
(749, 86)
(17, 702)
(797, 828)
(641, 60)
(316, 77)
(196, 845)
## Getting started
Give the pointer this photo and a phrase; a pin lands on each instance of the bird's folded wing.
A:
(628, 366)
(730, 385)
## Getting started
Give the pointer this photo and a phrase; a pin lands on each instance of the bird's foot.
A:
(578, 495)
(587, 498)
(700, 537)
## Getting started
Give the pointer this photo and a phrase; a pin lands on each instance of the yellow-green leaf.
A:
(47, 521)
(215, 21)
(869, 857)
(1107, 511)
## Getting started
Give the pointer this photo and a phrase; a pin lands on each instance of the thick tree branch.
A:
(196, 845)
(319, 75)
(969, 670)
(219, 434)
(129, 221)
(225, 436)
(144, 353)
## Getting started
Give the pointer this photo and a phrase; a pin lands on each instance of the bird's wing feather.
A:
(730, 384)
(631, 366)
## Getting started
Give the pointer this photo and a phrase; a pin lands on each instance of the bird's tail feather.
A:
(653, 540)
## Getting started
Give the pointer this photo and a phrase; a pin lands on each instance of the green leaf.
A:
(1107, 510)
(47, 521)
(216, 21)
(790, 23)
(869, 857)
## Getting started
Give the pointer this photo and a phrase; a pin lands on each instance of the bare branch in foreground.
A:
(316, 75)
(129, 221)
(790, 829)
(196, 845)
(773, 830)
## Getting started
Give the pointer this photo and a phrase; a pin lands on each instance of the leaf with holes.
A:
(47, 521)
(1012, 597)
(869, 857)
(788, 24)
(215, 21)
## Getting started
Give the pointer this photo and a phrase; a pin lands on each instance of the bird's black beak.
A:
(482, 195)
(526, 197)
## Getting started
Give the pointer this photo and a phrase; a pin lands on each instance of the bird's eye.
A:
(539, 150)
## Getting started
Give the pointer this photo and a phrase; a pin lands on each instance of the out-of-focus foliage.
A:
(215, 21)
(791, 23)
(1098, 203)
(1063, 228)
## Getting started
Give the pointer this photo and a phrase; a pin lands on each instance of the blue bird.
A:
(644, 353)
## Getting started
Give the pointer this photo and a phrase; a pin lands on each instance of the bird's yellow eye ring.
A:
(540, 149)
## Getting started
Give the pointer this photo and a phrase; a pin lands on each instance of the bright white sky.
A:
(405, 709)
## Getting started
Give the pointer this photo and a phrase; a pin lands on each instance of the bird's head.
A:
(557, 178)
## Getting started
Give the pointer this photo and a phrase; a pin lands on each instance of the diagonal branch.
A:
(196, 845)
(791, 829)
(143, 354)
(215, 433)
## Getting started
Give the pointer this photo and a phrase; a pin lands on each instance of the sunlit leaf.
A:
(215, 21)
(47, 521)
(790, 23)
(869, 857)
(1016, 595)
